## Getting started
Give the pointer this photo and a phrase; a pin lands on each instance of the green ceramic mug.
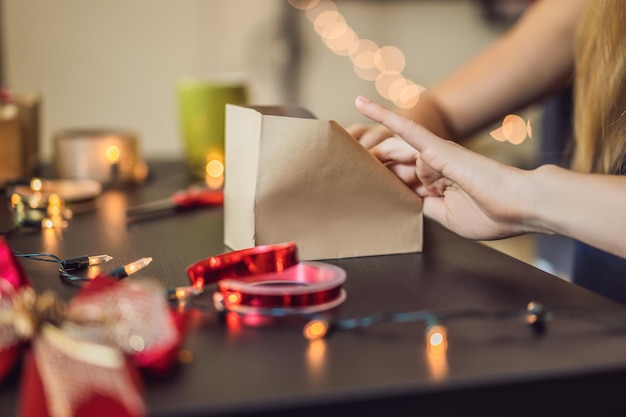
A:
(202, 114)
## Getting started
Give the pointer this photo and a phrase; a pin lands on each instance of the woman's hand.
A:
(369, 135)
(391, 150)
(472, 195)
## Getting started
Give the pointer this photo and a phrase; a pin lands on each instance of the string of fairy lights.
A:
(319, 327)
(384, 65)
(37, 210)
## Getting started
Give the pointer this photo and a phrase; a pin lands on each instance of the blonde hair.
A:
(600, 89)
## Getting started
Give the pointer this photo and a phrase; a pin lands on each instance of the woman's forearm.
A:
(530, 61)
(586, 207)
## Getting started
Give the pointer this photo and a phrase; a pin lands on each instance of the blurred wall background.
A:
(115, 63)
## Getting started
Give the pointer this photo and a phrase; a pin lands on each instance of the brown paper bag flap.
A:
(309, 181)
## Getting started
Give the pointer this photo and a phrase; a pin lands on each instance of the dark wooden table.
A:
(492, 367)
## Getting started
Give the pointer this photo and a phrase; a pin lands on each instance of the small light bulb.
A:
(214, 168)
(35, 184)
(16, 200)
(233, 298)
(437, 338)
(47, 223)
(131, 268)
(183, 293)
(137, 265)
(112, 154)
(316, 329)
(99, 259)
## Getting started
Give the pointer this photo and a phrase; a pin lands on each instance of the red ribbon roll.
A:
(269, 280)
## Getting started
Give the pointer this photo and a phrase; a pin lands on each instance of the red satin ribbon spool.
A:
(269, 280)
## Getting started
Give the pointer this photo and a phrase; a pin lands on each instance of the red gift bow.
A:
(85, 361)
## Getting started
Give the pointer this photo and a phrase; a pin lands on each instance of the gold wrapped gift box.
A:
(19, 135)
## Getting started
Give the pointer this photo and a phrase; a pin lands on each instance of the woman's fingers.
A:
(406, 173)
(394, 149)
(369, 135)
(357, 130)
(402, 126)
(447, 158)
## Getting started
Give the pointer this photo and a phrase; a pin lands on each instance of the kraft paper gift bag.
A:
(293, 178)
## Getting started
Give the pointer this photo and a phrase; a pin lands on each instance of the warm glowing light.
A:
(514, 129)
(390, 60)
(364, 59)
(342, 40)
(16, 200)
(53, 211)
(233, 298)
(113, 154)
(397, 88)
(367, 74)
(370, 62)
(214, 168)
(304, 4)
(410, 95)
(55, 200)
(214, 171)
(137, 265)
(319, 8)
(364, 45)
(436, 338)
(328, 22)
(436, 351)
(384, 82)
(498, 134)
(315, 329)
(334, 29)
(54, 222)
(36, 184)
(99, 259)
(55, 205)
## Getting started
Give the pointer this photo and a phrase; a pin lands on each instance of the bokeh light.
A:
(514, 129)
(381, 65)
(303, 4)
(113, 154)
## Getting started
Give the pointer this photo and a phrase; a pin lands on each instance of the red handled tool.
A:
(190, 198)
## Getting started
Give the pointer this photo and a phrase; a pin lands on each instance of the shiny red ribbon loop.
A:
(269, 277)
(243, 263)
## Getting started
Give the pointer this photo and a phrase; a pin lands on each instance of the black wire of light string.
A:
(535, 315)
(67, 267)
(67, 274)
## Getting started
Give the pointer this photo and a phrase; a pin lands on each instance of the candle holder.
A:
(110, 157)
